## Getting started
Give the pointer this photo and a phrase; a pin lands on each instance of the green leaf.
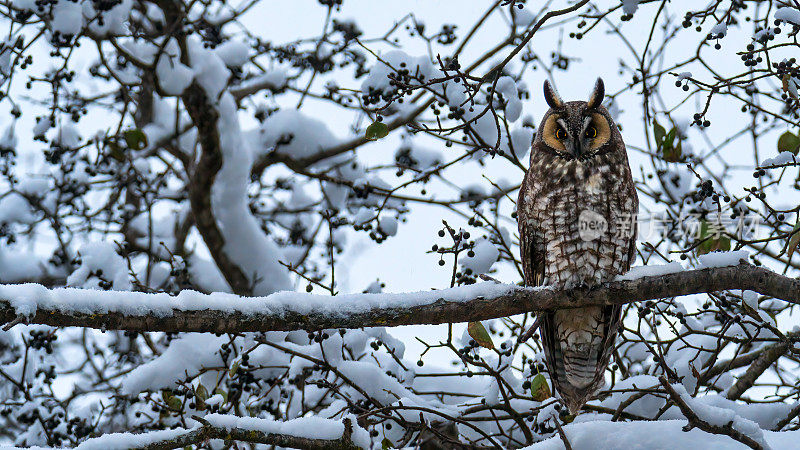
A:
(669, 149)
(173, 402)
(710, 245)
(794, 240)
(712, 239)
(201, 393)
(223, 394)
(377, 130)
(672, 154)
(540, 390)
(386, 443)
(669, 140)
(135, 138)
(659, 132)
(789, 142)
(478, 332)
(233, 369)
(115, 151)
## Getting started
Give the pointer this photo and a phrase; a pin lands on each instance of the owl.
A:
(576, 214)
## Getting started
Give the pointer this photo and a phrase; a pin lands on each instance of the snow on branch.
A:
(192, 311)
(717, 420)
(305, 432)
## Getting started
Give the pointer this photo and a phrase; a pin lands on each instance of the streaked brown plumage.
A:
(578, 177)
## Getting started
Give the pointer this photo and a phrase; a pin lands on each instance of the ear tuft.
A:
(551, 96)
(597, 95)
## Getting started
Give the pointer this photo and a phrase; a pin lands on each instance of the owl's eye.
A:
(561, 134)
(591, 132)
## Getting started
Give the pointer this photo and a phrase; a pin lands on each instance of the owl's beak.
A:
(575, 146)
(579, 148)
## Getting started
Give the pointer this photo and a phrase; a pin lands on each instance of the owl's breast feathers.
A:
(584, 215)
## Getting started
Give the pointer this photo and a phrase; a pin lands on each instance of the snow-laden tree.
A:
(175, 174)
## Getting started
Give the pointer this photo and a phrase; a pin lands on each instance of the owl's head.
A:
(576, 130)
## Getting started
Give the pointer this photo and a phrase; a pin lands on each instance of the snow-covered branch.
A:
(313, 433)
(711, 423)
(191, 311)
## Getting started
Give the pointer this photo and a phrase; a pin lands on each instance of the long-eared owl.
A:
(577, 223)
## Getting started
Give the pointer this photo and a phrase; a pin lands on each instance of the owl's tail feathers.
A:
(576, 373)
(574, 401)
(578, 345)
(580, 361)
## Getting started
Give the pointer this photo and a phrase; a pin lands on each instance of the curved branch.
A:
(283, 311)
(529, 35)
(205, 117)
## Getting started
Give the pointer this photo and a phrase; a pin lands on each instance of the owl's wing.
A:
(532, 252)
(632, 242)
(531, 248)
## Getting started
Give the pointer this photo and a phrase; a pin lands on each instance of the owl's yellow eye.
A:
(561, 134)
(591, 132)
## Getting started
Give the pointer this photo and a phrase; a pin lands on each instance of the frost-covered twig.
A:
(283, 311)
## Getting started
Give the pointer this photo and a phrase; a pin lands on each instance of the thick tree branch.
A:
(223, 313)
(205, 117)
